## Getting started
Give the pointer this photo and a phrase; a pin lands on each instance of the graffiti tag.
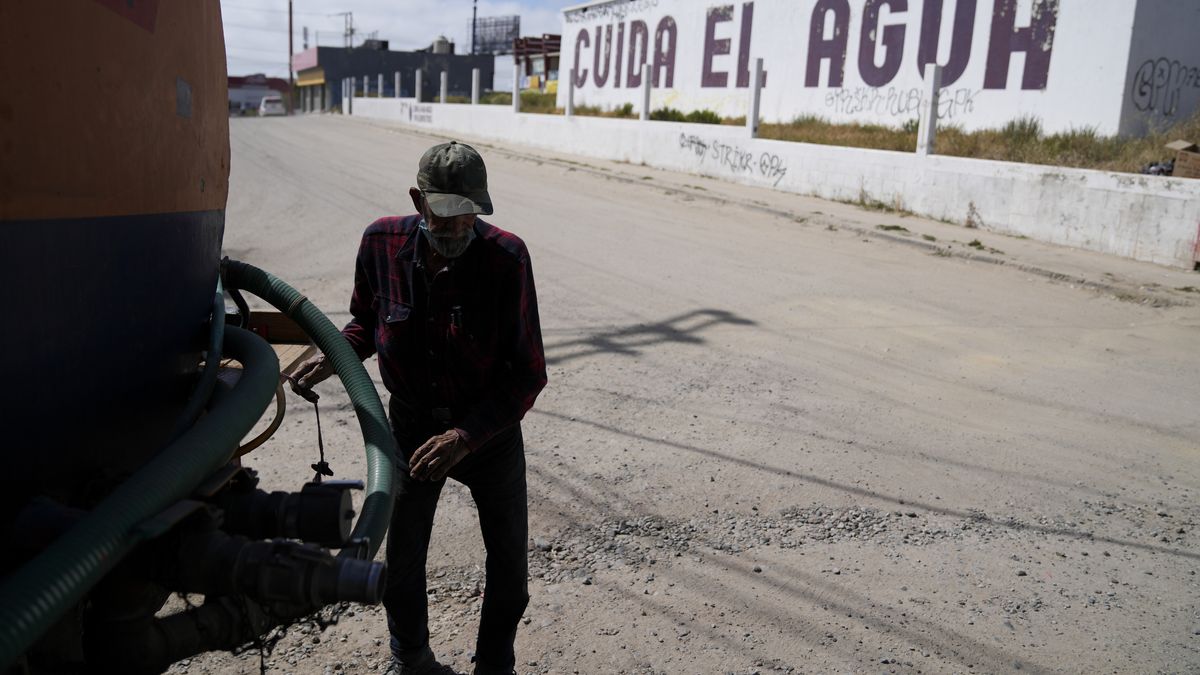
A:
(618, 10)
(906, 103)
(1159, 84)
(735, 159)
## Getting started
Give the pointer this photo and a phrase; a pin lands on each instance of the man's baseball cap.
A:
(454, 180)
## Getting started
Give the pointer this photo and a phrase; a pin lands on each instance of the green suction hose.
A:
(372, 524)
(38, 593)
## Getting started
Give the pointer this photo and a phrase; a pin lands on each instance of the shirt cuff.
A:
(473, 441)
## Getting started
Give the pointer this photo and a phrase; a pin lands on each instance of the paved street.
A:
(780, 433)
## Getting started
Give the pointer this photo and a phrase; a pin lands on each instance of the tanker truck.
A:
(129, 388)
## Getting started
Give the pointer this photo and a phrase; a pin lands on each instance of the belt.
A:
(402, 411)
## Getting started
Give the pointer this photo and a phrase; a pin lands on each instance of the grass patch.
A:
(1188, 289)
(891, 228)
(667, 115)
(975, 243)
(928, 237)
(1020, 140)
(531, 101)
(866, 201)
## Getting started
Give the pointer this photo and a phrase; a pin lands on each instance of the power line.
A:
(267, 29)
(282, 31)
(252, 49)
(254, 58)
(244, 8)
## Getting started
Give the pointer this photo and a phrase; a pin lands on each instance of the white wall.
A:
(1163, 84)
(502, 78)
(1145, 218)
(1088, 52)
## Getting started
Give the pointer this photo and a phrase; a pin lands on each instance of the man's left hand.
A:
(433, 460)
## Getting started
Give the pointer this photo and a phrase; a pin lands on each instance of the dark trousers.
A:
(495, 474)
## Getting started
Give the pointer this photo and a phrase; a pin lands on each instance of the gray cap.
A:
(454, 180)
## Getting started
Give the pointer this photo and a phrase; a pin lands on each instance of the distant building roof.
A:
(258, 80)
(548, 43)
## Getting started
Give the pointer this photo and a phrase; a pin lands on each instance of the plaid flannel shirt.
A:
(464, 338)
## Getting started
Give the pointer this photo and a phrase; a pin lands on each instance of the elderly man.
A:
(447, 302)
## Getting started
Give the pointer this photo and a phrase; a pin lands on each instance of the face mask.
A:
(447, 246)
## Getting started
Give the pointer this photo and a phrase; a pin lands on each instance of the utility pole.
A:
(306, 38)
(291, 50)
(348, 33)
(474, 19)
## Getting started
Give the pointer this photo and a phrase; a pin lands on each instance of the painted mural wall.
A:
(1066, 62)
(1163, 83)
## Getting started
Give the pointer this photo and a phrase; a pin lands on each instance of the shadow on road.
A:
(629, 341)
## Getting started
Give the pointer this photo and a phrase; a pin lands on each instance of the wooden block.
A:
(291, 356)
(276, 328)
(1187, 165)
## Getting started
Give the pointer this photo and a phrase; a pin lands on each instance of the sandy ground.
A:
(778, 437)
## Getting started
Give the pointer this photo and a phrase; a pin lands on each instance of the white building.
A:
(1118, 66)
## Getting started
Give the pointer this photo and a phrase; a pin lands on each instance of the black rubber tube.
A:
(212, 364)
(242, 307)
(44, 588)
(372, 524)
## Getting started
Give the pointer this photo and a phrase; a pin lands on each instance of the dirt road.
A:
(780, 434)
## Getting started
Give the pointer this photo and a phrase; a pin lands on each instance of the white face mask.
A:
(447, 246)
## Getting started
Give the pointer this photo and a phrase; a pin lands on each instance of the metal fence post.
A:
(397, 84)
(646, 83)
(380, 94)
(927, 128)
(516, 87)
(755, 98)
(366, 86)
(445, 87)
(420, 76)
(350, 103)
(474, 86)
(570, 94)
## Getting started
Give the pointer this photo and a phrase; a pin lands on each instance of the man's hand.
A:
(309, 373)
(433, 460)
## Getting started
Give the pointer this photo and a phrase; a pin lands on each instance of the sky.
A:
(256, 35)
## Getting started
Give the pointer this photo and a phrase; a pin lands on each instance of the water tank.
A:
(114, 166)
(442, 45)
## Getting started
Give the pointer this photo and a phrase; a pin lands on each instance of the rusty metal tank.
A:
(114, 165)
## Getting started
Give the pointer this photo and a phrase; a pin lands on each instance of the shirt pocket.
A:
(394, 332)
(395, 312)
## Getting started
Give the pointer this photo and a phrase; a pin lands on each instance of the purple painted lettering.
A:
(665, 38)
(1036, 40)
(833, 49)
(714, 47)
(891, 37)
(581, 75)
(961, 36)
(639, 37)
(743, 79)
(617, 54)
(601, 78)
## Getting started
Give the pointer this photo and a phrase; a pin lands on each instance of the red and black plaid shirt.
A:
(465, 339)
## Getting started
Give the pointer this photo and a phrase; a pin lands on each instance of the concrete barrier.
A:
(1146, 218)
